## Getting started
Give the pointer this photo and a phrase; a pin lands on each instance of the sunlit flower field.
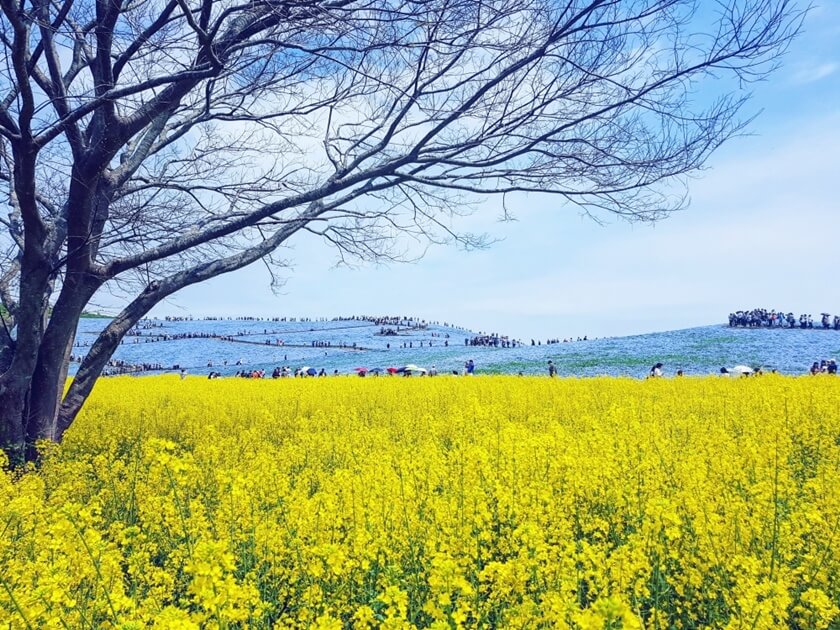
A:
(447, 502)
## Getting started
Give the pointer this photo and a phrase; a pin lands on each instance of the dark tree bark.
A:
(15, 391)
(50, 374)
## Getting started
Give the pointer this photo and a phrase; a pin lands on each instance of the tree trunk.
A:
(101, 350)
(7, 350)
(12, 428)
(47, 386)
(15, 381)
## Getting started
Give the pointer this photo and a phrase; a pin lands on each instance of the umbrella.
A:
(361, 369)
(738, 370)
(312, 371)
(412, 368)
(375, 370)
(392, 370)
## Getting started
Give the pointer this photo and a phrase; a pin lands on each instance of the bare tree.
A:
(165, 142)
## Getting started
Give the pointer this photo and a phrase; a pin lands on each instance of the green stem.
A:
(15, 602)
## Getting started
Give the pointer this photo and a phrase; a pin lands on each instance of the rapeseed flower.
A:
(436, 503)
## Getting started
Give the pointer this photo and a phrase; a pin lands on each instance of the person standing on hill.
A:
(552, 369)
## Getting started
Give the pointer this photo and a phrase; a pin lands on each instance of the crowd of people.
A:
(389, 331)
(305, 371)
(550, 342)
(503, 341)
(389, 326)
(152, 337)
(484, 340)
(117, 367)
(280, 372)
(328, 344)
(492, 340)
(405, 321)
(420, 344)
(147, 324)
(826, 366)
(763, 318)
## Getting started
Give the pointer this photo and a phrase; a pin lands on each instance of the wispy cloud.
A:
(816, 72)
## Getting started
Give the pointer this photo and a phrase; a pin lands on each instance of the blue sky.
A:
(762, 229)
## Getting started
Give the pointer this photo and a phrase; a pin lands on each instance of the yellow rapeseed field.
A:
(491, 502)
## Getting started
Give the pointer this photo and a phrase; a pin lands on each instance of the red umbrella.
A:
(392, 370)
(361, 369)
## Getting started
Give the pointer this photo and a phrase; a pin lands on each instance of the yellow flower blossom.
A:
(493, 502)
